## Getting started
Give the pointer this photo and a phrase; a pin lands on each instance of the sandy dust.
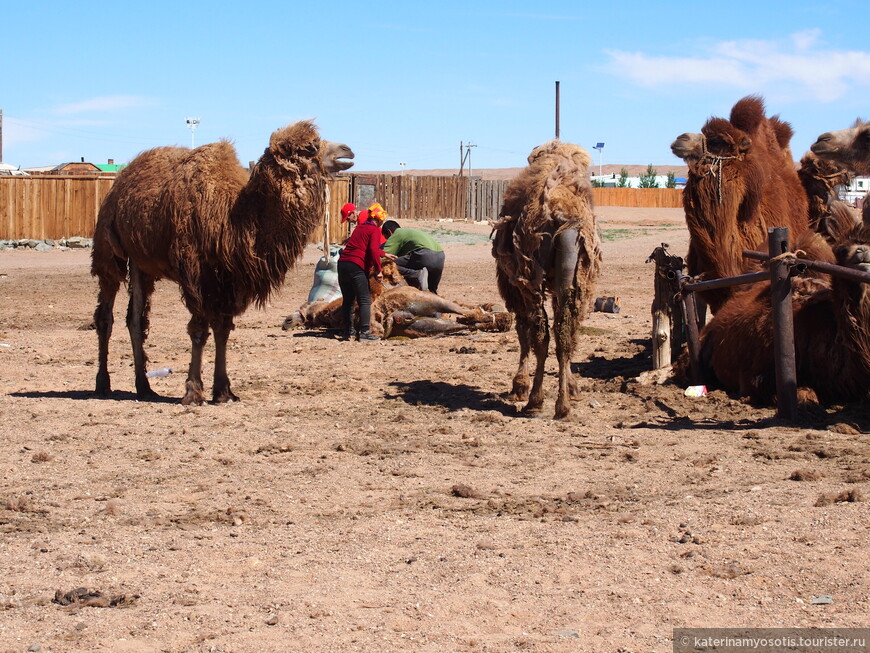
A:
(386, 497)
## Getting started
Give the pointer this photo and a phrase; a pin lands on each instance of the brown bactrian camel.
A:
(831, 331)
(828, 215)
(227, 238)
(546, 242)
(741, 181)
(849, 148)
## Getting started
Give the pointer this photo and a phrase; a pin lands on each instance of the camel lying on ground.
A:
(546, 242)
(831, 331)
(403, 311)
(227, 238)
(741, 182)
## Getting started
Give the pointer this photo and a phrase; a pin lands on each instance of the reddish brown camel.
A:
(546, 242)
(832, 340)
(740, 183)
(227, 238)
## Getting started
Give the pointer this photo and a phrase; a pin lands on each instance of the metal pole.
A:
(557, 111)
(1, 135)
(783, 324)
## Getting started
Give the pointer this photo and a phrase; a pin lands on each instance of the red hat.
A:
(346, 210)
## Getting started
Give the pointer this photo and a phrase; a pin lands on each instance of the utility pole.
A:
(465, 153)
(557, 111)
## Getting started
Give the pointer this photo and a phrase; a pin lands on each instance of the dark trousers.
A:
(411, 264)
(354, 286)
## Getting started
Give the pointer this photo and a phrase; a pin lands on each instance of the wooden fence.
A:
(48, 206)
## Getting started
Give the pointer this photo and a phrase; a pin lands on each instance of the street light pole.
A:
(193, 123)
(599, 147)
(402, 165)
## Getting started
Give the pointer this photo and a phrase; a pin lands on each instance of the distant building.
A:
(7, 170)
(81, 167)
(612, 181)
(856, 191)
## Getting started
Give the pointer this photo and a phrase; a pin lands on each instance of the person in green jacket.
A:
(418, 256)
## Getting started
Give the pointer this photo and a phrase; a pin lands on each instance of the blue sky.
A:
(408, 81)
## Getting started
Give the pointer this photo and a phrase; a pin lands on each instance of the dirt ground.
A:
(386, 497)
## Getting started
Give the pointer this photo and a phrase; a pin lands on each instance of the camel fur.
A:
(546, 242)
(741, 182)
(832, 341)
(227, 238)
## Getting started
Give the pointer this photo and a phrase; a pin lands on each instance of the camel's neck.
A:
(273, 219)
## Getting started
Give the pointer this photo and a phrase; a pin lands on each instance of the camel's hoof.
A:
(517, 396)
(533, 408)
(195, 398)
(225, 398)
(562, 413)
(147, 395)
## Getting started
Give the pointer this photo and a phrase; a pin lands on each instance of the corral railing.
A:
(62, 206)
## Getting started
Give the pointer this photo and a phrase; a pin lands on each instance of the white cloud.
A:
(105, 103)
(799, 66)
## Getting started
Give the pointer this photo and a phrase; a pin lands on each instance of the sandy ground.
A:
(386, 497)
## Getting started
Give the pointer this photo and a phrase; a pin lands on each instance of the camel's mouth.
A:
(822, 148)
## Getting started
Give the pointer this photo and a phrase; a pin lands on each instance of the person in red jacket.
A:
(360, 256)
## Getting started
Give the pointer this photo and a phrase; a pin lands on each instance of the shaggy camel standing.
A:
(546, 241)
(741, 181)
(226, 238)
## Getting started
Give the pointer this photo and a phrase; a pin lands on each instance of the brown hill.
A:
(510, 173)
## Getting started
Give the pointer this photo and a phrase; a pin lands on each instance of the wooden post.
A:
(662, 311)
(783, 323)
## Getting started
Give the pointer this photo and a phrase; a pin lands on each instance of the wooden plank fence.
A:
(63, 206)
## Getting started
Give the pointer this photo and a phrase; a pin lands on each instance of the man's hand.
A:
(390, 257)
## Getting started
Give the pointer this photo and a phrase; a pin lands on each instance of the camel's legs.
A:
(520, 389)
(104, 320)
(197, 328)
(141, 287)
(221, 392)
(566, 316)
(539, 330)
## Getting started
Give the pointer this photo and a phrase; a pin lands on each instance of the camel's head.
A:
(298, 147)
(853, 250)
(334, 156)
(849, 147)
(688, 146)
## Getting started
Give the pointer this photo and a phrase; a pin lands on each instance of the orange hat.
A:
(377, 212)
(346, 210)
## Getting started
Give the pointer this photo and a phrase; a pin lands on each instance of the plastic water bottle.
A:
(163, 371)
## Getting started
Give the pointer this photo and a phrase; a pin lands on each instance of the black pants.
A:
(354, 286)
(420, 259)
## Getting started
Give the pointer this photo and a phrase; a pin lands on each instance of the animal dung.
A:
(607, 305)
